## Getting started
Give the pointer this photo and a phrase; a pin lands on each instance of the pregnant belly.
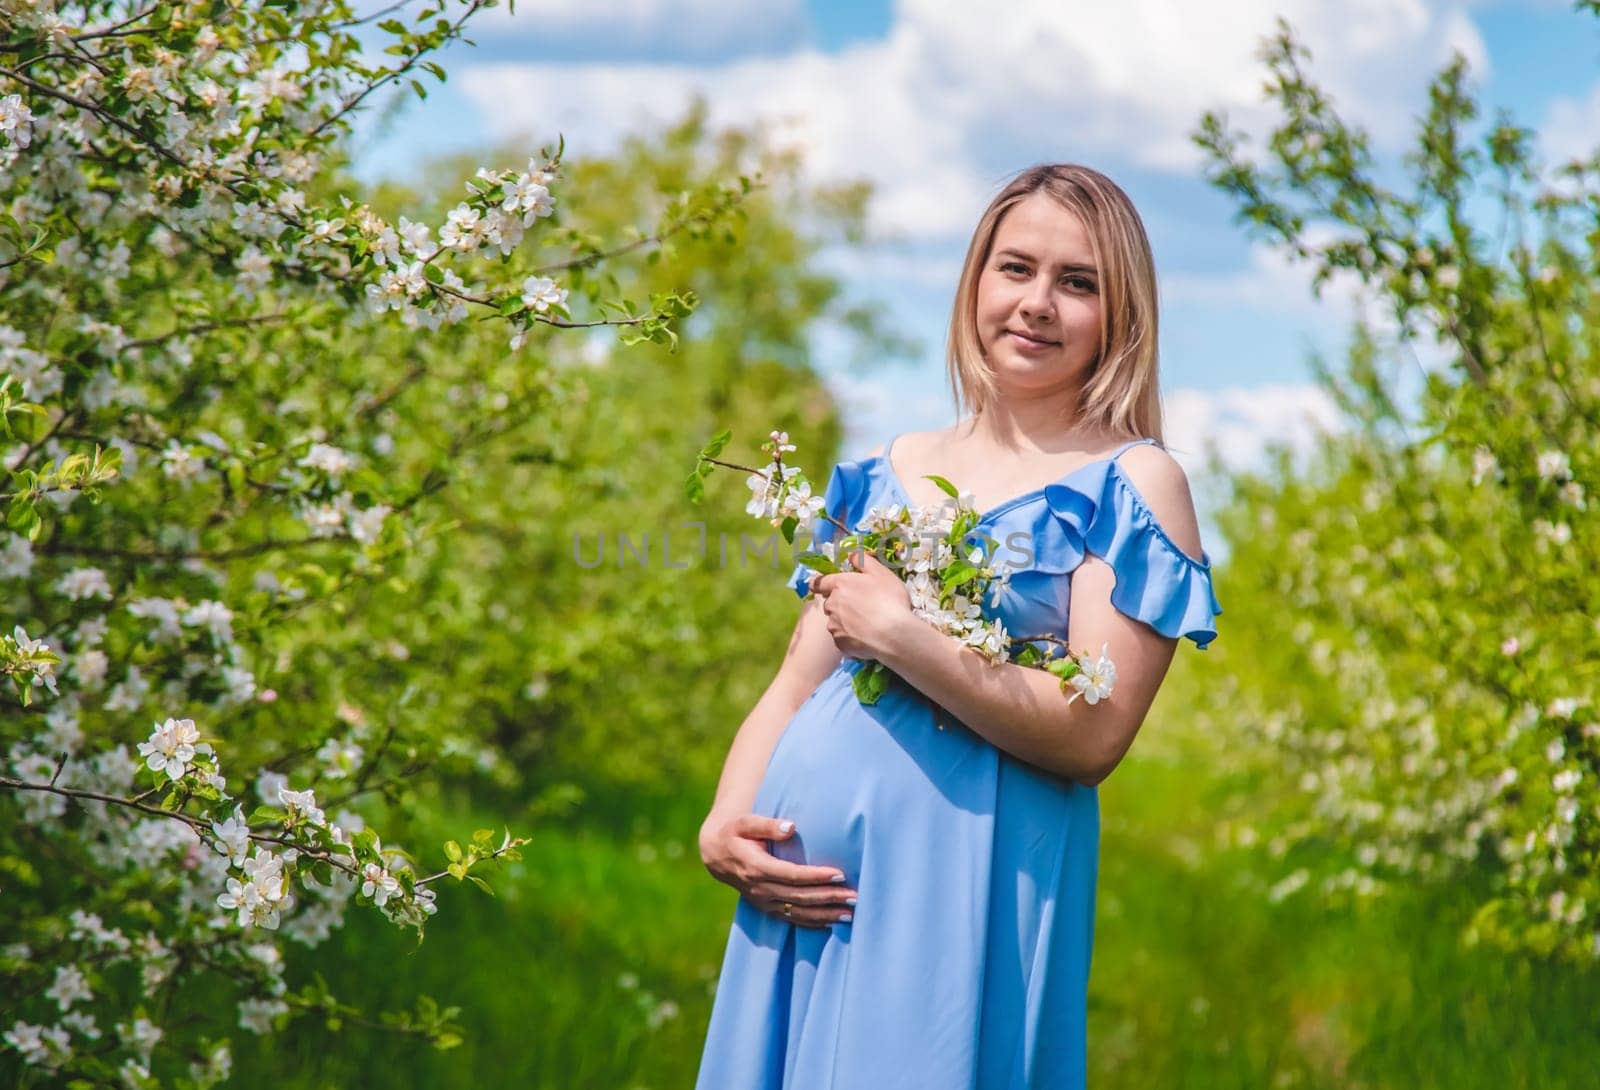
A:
(842, 771)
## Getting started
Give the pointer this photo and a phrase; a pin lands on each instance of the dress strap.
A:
(1128, 446)
(887, 447)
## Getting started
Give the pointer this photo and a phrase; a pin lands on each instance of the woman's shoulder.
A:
(916, 443)
(1160, 481)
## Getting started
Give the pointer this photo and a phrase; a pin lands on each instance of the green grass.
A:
(1198, 981)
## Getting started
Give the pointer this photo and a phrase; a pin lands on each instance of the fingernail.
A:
(846, 918)
(785, 826)
(837, 878)
(851, 901)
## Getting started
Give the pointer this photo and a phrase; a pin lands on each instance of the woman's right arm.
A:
(732, 839)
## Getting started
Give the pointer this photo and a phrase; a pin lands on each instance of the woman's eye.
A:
(1082, 283)
(1013, 265)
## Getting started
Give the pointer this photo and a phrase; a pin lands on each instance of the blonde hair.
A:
(1122, 394)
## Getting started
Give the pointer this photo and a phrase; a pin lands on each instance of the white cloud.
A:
(1238, 423)
(1570, 128)
(1273, 281)
(920, 111)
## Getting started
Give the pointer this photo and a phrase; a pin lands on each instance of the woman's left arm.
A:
(1022, 710)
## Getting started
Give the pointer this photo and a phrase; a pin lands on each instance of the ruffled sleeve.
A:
(1156, 581)
(845, 499)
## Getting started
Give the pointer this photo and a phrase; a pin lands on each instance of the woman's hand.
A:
(865, 608)
(733, 851)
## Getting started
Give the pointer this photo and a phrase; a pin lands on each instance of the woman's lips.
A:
(1025, 342)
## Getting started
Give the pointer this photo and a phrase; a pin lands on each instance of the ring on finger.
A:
(788, 910)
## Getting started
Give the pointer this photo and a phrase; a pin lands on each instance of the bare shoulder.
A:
(913, 443)
(1161, 481)
(925, 443)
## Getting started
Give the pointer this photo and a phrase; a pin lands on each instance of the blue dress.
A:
(966, 966)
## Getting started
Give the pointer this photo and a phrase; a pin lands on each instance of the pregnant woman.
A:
(917, 876)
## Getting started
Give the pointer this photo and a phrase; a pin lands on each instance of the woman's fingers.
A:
(803, 909)
(754, 827)
(763, 828)
(811, 896)
(808, 917)
(815, 896)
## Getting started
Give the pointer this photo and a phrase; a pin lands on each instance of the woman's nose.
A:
(1036, 306)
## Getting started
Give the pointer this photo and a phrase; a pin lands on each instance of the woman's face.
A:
(1038, 304)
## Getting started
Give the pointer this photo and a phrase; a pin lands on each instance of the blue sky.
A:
(938, 105)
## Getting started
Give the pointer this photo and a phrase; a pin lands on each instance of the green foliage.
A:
(1412, 656)
(270, 485)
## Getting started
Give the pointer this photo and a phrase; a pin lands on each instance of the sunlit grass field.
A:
(594, 966)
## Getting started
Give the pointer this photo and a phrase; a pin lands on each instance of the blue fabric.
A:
(966, 965)
(849, 487)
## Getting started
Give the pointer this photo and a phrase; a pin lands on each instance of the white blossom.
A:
(171, 747)
(527, 193)
(330, 459)
(1096, 678)
(541, 293)
(261, 894)
(416, 238)
(16, 120)
(81, 583)
(233, 837)
(213, 616)
(1484, 463)
(16, 556)
(799, 502)
(254, 271)
(40, 1045)
(129, 693)
(268, 784)
(179, 464)
(258, 1015)
(69, 986)
(141, 1035)
(340, 757)
(302, 805)
(1554, 463)
(366, 525)
(1563, 707)
(163, 611)
(378, 883)
(464, 229)
(43, 672)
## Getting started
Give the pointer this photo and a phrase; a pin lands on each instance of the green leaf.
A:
(944, 486)
(871, 682)
(1030, 655)
(959, 574)
(716, 443)
(22, 517)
